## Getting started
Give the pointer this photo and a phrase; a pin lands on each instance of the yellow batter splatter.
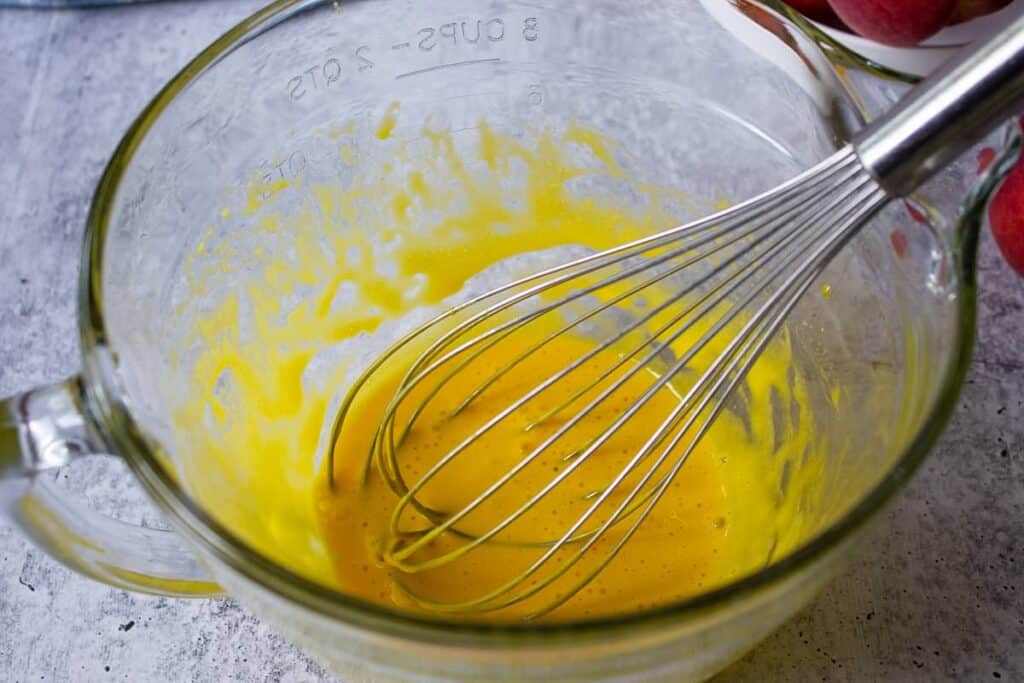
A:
(330, 275)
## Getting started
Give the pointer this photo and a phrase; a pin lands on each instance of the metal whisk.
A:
(721, 287)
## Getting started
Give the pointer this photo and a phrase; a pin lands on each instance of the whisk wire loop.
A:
(606, 433)
(729, 368)
(739, 213)
(767, 249)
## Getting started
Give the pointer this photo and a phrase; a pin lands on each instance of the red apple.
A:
(895, 22)
(816, 10)
(1006, 216)
(966, 10)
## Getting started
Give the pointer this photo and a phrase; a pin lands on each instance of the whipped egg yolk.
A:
(328, 275)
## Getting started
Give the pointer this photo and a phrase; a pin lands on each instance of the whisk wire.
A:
(779, 236)
(751, 348)
(450, 521)
(509, 410)
(809, 179)
(743, 351)
(726, 224)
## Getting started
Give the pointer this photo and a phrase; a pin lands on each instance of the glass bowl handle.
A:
(45, 428)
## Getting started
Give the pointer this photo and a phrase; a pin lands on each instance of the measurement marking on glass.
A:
(449, 66)
(491, 93)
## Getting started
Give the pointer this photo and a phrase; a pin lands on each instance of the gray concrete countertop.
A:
(937, 596)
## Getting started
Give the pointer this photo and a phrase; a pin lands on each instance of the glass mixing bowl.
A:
(722, 98)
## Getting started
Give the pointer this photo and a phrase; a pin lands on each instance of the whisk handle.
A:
(948, 112)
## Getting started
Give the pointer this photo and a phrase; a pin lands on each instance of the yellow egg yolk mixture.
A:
(671, 556)
(282, 321)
